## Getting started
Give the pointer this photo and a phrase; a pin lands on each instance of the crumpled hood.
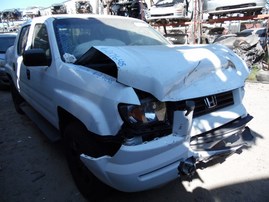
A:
(178, 72)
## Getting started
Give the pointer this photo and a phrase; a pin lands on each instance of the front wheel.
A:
(75, 137)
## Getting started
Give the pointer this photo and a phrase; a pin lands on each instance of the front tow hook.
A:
(187, 168)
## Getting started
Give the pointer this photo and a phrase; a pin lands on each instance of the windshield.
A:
(245, 33)
(166, 3)
(75, 36)
(5, 43)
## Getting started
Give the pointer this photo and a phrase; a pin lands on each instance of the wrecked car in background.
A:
(223, 8)
(213, 33)
(134, 111)
(251, 47)
(83, 7)
(173, 9)
(261, 33)
(130, 8)
(58, 9)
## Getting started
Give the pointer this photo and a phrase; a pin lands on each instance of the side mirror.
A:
(35, 57)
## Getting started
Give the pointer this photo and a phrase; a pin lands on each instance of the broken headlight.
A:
(149, 112)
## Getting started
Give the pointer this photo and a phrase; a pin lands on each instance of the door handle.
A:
(13, 67)
(28, 74)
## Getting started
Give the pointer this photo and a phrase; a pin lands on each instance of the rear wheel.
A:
(75, 137)
(16, 97)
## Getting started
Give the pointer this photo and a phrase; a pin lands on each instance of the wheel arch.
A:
(105, 145)
(66, 118)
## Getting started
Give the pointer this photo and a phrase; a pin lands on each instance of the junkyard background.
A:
(34, 169)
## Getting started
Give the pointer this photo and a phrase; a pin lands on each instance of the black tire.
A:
(4, 85)
(16, 97)
(75, 136)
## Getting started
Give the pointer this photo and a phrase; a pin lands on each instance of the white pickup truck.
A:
(133, 110)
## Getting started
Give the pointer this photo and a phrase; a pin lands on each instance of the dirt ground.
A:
(32, 169)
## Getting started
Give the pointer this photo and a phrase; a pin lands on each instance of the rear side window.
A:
(23, 39)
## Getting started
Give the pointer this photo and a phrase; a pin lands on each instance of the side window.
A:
(41, 40)
(23, 39)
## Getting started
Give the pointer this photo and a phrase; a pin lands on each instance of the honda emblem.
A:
(211, 101)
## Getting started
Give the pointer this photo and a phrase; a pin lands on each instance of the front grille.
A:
(203, 105)
(218, 101)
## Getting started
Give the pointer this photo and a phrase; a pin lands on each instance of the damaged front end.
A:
(160, 143)
(189, 112)
(153, 120)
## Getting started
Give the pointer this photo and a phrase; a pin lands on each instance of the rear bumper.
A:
(152, 164)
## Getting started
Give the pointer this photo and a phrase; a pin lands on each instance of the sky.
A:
(10, 4)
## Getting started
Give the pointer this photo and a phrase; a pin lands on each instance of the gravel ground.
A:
(34, 169)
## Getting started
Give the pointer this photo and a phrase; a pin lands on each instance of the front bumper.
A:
(152, 164)
(234, 10)
(210, 140)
